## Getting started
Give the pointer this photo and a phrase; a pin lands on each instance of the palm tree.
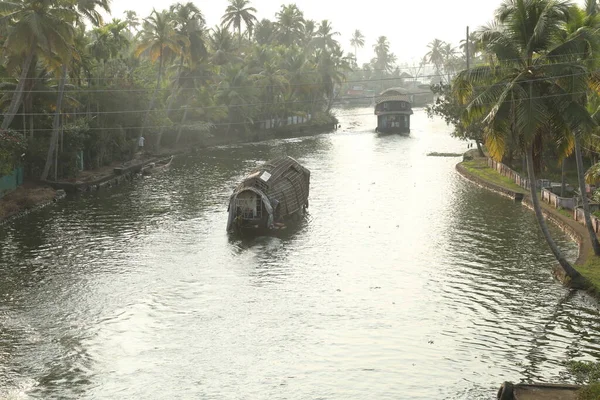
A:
(222, 46)
(324, 38)
(264, 31)
(435, 55)
(160, 42)
(239, 11)
(190, 24)
(473, 45)
(272, 79)
(451, 61)
(35, 27)
(236, 92)
(290, 24)
(132, 20)
(383, 58)
(308, 33)
(331, 67)
(581, 30)
(524, 91)
(358, 40)
(89, 10)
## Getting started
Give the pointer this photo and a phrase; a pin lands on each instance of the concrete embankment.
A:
(574, 229)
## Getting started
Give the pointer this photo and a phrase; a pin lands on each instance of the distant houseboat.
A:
(393, 109)
(269, 197)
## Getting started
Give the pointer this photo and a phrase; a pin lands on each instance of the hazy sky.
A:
(408, 24)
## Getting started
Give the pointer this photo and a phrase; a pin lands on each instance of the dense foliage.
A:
(12, 147)
(168, 77)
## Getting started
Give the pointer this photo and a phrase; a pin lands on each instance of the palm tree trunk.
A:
(584, 199)
(566, 266)
(183, 118)
(563, 177)
(55, 124)
(170, 102)
(18, 95)
(153, 99)
(479, 148)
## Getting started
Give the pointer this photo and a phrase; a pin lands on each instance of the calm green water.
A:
(405, 282)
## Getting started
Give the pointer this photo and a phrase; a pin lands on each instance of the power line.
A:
(269, 120)
(280, 103)
(184, 89)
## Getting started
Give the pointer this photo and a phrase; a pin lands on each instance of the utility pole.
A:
(467, 49)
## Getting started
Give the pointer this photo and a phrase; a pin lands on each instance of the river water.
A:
(405, 282)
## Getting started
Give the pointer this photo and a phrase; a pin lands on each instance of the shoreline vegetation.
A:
(81, 94)
(476, 170)
(35, 194)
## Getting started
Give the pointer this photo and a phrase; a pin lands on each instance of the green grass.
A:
(478, 167)
(591, 271)
(591, 392)
(566, 213)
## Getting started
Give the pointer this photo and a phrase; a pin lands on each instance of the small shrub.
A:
(591, 392)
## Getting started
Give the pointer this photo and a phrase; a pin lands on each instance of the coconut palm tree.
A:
(435, 55)
(190, 23)
(35, 27)
(238, 94)
(132, 20)
(239, 11)
(160, 42)
(580, 31)
(357, 41)
(384, 60)
(289, 24)
(473, 45)
(222, 46)
(325, 37)
(308, 33)
(264, 32)
(524, 91)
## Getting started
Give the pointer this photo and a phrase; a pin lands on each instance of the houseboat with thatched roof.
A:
(269, 196)
(393, 109)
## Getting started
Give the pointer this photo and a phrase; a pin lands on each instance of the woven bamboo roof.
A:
(394, 94)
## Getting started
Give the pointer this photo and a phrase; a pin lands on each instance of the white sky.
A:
(408, 24)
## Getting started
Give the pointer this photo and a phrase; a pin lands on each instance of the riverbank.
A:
(34, 195)
(27, 198)
(476, 170)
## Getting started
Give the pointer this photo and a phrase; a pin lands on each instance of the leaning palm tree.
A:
(358, 40)
(525, 91)
(580, 32)
(239, 11)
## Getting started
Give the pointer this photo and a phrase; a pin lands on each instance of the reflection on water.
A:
(404, 282)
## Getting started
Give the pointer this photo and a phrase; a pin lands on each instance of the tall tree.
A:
(435, 55)
(239, 11)
(160, 42)
(290, 24)
(33, 27)
(524, 89)
(357, 41)
(325, 37)
(580, 31)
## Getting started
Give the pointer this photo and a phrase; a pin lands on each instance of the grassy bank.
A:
(587, 264)
(25, 198)
(479, 168)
